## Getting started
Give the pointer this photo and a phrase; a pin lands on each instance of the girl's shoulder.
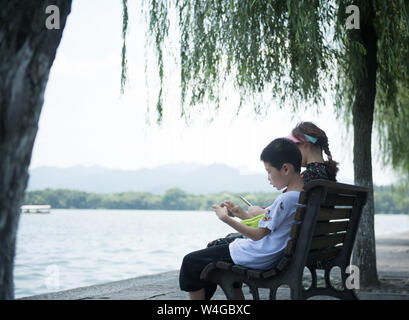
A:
(315, 170)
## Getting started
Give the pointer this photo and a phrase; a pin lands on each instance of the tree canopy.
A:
(294, 50)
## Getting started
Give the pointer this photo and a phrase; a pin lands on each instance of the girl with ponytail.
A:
(311, 141)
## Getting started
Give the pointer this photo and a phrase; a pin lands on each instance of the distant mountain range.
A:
(192, 178)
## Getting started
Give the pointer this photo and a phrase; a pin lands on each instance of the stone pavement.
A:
(392, 261)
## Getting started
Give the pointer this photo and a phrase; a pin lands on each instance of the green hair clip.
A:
(312, 139)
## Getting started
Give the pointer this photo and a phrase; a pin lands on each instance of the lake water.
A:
(75, 248)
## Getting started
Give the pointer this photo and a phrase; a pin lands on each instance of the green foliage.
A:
(393, 126)
(294, 50)
(387, 199)
(172, 199)
(391, 199)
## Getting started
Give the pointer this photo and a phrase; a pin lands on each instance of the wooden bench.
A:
(322, 237)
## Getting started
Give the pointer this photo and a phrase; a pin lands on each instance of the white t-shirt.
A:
(263, 254)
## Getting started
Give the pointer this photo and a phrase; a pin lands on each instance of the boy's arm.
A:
(250, 232)
(255, 211)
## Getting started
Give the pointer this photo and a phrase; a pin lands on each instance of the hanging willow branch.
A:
(124, 71)
(158, 28)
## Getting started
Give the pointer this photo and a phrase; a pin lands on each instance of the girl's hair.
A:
(280, 151)
(312, 130)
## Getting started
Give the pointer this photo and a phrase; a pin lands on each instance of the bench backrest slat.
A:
(316, 257)
(323, 228)
(327, 241)
(339, 200)
(326, 214)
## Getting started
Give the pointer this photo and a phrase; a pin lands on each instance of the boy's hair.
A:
(280, 151)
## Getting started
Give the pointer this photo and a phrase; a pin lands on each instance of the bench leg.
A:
(228, 284)
(345, 293)
(229, 289)
(296, 292)
(273, 293)
(254, 293)
(350, 295)
(313, 272)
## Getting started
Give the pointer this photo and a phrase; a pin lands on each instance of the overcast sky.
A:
(85, 121)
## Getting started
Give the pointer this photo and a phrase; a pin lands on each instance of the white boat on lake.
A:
(35, 208)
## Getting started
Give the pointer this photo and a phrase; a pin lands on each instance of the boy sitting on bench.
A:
(263, 247)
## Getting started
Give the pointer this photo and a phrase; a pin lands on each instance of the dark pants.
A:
(193, 264)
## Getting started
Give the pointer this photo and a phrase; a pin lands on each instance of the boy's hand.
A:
(235, 210)
(221, 212)
(256, 210)
(228, 211)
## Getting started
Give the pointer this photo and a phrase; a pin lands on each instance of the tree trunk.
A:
(27, 51)
(364, 255)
